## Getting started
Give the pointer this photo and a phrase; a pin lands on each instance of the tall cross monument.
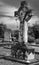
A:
(24, 14)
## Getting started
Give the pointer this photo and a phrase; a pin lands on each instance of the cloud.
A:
(10, 23)
(15, 3)
(6, 9)
(9, 11)
(33, 20)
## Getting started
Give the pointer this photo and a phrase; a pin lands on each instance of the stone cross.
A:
(24, 14)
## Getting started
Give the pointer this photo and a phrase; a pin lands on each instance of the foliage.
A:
(33, 33)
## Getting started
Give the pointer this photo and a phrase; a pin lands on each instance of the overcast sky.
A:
(15, 3)
(7, 7)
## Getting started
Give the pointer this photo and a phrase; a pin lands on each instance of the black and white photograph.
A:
(19, 32)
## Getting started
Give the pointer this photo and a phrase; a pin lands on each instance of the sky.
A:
(16, 3)
(7, 8)
(11, 23)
